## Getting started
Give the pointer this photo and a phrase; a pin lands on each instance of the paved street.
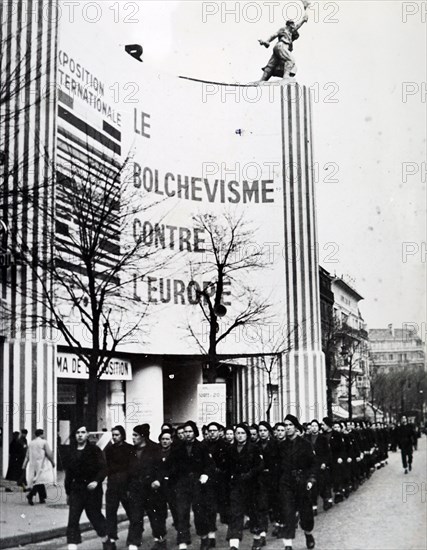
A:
(387, 513)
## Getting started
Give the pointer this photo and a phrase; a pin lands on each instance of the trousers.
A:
(294, 498)
(80, 498)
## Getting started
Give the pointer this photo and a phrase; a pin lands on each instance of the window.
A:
(390, 357)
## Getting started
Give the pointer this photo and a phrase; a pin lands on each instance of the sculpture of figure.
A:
(282, 62)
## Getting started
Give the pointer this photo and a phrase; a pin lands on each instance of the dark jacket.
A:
(352, 446)
(84, 467)
(191, 459)
(405, 436)
(244, 465)
(163, 467)
(118, 458)
(143, 464)
(217, 449)
(296, 461)
(270, 455)
(320, 446)
(338, 447)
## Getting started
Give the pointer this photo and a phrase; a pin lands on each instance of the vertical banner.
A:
(211, 403)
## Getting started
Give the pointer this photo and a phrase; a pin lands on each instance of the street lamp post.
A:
(344, 355)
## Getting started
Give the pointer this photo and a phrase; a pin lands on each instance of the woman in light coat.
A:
(39, 459)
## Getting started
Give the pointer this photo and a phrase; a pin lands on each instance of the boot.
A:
(327, 505)
(309, 541)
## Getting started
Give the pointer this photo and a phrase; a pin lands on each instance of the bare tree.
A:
(399, 390)
(227, 262)
(353, 348)
(330, 344)
(274, 340)
(83, 287)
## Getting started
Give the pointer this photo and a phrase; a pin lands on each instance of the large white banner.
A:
(195, 148)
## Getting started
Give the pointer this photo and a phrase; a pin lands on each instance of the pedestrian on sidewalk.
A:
(406, 440)
(23, 442)
(84, 475)
(39, 460)
(14, 469)
(118, 457)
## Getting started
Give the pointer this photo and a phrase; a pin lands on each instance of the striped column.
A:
(304, 386)
(27, 140)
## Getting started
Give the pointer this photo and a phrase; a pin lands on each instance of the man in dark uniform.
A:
(84, 475)
(192, 466)
(267, 480)
(320, 445)
(339, 460)
(216, 488)
(163, 492)
(117, 456)
(243, 465)
(142, 473)
(405, 437)
(297, 476)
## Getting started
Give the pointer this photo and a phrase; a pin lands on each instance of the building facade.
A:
(186, 162)
(393, 348)
(351, 345)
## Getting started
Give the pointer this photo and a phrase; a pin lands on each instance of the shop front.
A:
(72, 376)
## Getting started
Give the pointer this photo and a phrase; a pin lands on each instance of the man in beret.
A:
(297, 476)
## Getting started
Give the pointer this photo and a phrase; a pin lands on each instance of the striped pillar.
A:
(27, 140)
(303, 371)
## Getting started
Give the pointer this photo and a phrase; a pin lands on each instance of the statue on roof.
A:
(282, 62)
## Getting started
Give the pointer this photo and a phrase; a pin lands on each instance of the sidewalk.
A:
(22, 524)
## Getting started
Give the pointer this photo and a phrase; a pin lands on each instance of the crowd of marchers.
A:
(251, 477)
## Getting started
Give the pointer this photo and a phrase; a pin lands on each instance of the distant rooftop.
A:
(348, 287)
(391, 333)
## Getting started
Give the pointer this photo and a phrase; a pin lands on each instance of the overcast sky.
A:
(366, 62)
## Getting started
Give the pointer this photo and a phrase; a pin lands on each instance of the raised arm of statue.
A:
(303, 20)
(267, 42)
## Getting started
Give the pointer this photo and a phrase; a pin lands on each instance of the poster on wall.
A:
(211, 404)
